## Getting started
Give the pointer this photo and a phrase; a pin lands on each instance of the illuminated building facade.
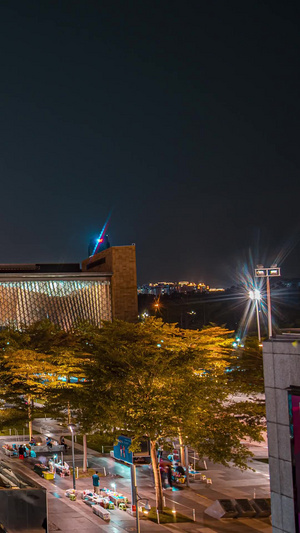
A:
(63, 298)
(104, 289)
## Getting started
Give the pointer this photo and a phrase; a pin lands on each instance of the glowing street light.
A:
(256, 296)
(262, 272)
(71, 428)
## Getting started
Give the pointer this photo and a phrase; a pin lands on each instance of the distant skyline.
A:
(181, 118)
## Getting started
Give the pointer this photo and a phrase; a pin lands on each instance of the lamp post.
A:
(71, 428)
(136, 499)
(262, 272)
(256, 296)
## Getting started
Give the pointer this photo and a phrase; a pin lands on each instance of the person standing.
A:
(21, 452)
(169, 473)
(96, 482)
(62, 442)
(163, 476)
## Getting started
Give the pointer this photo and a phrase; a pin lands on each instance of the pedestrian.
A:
(49, 443)
(169, 474)
(179, 468)
(63, 443)
(96, 482)
(163, 476)
(21, 452)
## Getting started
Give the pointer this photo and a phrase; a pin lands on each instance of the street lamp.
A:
(262, 272)
(71, 428)
(136, 498)
(256, 296)
(147, 505)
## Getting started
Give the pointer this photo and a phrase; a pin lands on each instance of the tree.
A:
(153, 379)
(37, 364)
(246, 370)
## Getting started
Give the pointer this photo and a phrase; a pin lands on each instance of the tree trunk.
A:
(29, 417)
(69, 414)
(182, 458)
(84, 466)
(157, 478)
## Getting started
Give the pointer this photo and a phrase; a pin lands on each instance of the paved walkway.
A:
(66, 516)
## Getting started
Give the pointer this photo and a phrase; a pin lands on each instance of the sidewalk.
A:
(66, 516)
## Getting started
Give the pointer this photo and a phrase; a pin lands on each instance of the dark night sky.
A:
(181, 116)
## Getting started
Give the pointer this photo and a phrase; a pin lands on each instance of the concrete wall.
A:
(281, 370)
(121, 261)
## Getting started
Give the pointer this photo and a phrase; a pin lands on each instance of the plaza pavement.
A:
(65, 516)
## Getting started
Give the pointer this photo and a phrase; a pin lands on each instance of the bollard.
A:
(104, 470)
(164, 501)
(194, 515)
(102, 449)
(77, 472)
(205, 465)
(157, 514)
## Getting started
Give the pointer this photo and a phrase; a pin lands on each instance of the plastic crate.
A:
(48, 475)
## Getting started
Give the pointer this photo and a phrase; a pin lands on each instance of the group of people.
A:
(24, 451)
(49, 443)
(169, 473)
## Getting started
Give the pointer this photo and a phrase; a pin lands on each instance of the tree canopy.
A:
(149, 379)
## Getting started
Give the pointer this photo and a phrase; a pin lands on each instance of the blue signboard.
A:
(121, 450)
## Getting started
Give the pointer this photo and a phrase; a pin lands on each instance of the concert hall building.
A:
(104, 287)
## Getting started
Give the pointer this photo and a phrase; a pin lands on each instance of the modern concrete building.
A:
(281, 357)
(105, 288)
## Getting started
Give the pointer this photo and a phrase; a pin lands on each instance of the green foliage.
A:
(153, 379)
(166, 516)
(147, 379)
(247, 368)
(31, 363)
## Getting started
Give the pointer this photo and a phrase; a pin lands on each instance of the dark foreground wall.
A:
(23, 507)
(282, 387)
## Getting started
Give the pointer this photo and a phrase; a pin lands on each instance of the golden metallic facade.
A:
(63, 301)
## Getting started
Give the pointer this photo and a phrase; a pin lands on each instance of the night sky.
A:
(181, 117)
